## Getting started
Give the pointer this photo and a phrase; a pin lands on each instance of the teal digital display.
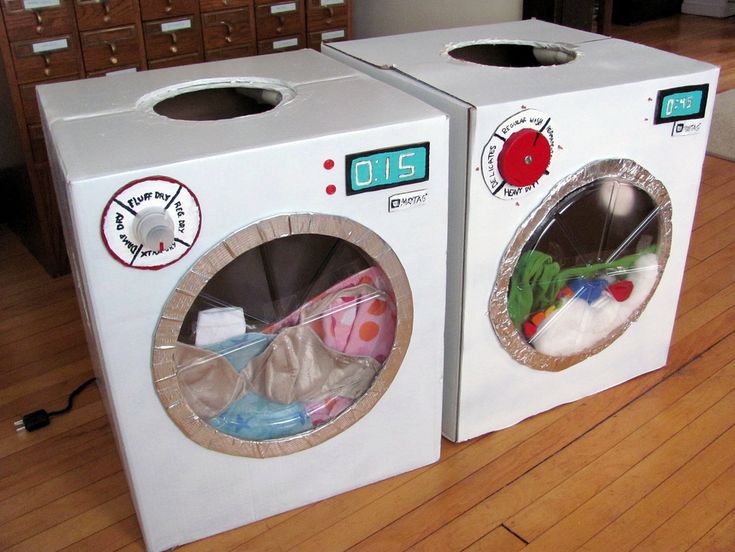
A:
(678, 104)
(373, 170)
(681, 103)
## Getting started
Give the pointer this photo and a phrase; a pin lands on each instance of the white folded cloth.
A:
(217, 324)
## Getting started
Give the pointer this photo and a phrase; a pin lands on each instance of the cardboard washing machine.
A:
(250, 241)
(575, 162)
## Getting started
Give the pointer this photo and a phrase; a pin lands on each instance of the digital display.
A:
(368, 171)
(678, 104)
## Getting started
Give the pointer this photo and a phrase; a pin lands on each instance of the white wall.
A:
(388, 17)
(10, 150)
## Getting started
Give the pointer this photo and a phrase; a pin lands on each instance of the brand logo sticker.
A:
(684, 128)
(408, 200)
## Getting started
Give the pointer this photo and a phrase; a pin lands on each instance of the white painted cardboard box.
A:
(593, 99)
(281, 172)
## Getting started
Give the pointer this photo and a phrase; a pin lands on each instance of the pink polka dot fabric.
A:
(358, 321)
(356, 316)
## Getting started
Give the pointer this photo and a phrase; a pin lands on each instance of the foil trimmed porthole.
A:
(583, 266)
(283, 335)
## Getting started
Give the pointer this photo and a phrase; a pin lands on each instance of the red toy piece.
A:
(621, 290)
(529, 329)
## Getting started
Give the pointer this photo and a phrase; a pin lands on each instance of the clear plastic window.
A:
(286, 337)
(278, 331)
(587, 268)
(583, 266)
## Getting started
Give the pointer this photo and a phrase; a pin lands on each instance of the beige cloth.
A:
(296, 366)
(208, 381)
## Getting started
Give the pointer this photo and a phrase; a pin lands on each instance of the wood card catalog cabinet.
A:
(43, 41)
(280, 25)
(107, 49)
(228, 33)
(327, 21)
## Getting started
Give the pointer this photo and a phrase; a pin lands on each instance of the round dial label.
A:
(518, 155)
(151, 223)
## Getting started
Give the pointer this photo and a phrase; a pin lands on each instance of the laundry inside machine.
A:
(575, 161)
(250, 241)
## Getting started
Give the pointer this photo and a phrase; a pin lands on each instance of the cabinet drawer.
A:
(176, 61)
(331, 35)
(109, 48)
(326, 14)
(157, 9)
(273, 19)
(30, 19)
(214, 5)
(172, 37)
(30, 101)
(96, 14)
(230, 53)
(227, 28)
(281, 44)
(37, 60)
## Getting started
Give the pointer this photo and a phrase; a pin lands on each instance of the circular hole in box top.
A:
(287, 343)
(218, 103)
(513, 54)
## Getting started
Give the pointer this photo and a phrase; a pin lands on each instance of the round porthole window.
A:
(584, 266)
(283, 335)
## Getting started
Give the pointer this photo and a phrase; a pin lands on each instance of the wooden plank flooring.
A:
(648, 465)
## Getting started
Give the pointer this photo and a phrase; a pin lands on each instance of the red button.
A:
(524, 158)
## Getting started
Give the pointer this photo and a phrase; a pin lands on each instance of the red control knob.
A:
(525, 156)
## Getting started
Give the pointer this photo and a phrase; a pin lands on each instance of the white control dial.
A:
(154, 228)
(151, 223)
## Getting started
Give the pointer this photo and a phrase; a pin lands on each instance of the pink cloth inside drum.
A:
(356, 316)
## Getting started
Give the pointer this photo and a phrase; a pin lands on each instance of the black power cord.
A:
(41, 418)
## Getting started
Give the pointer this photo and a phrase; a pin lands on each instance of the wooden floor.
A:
(648, 465)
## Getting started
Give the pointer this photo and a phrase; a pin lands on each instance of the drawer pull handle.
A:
(173, 46)
(113, 52)
(330, 14)
(169, 6)
(47, 64)
(281, 23)
(228, 31)
(39, 21)
(106, 10)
